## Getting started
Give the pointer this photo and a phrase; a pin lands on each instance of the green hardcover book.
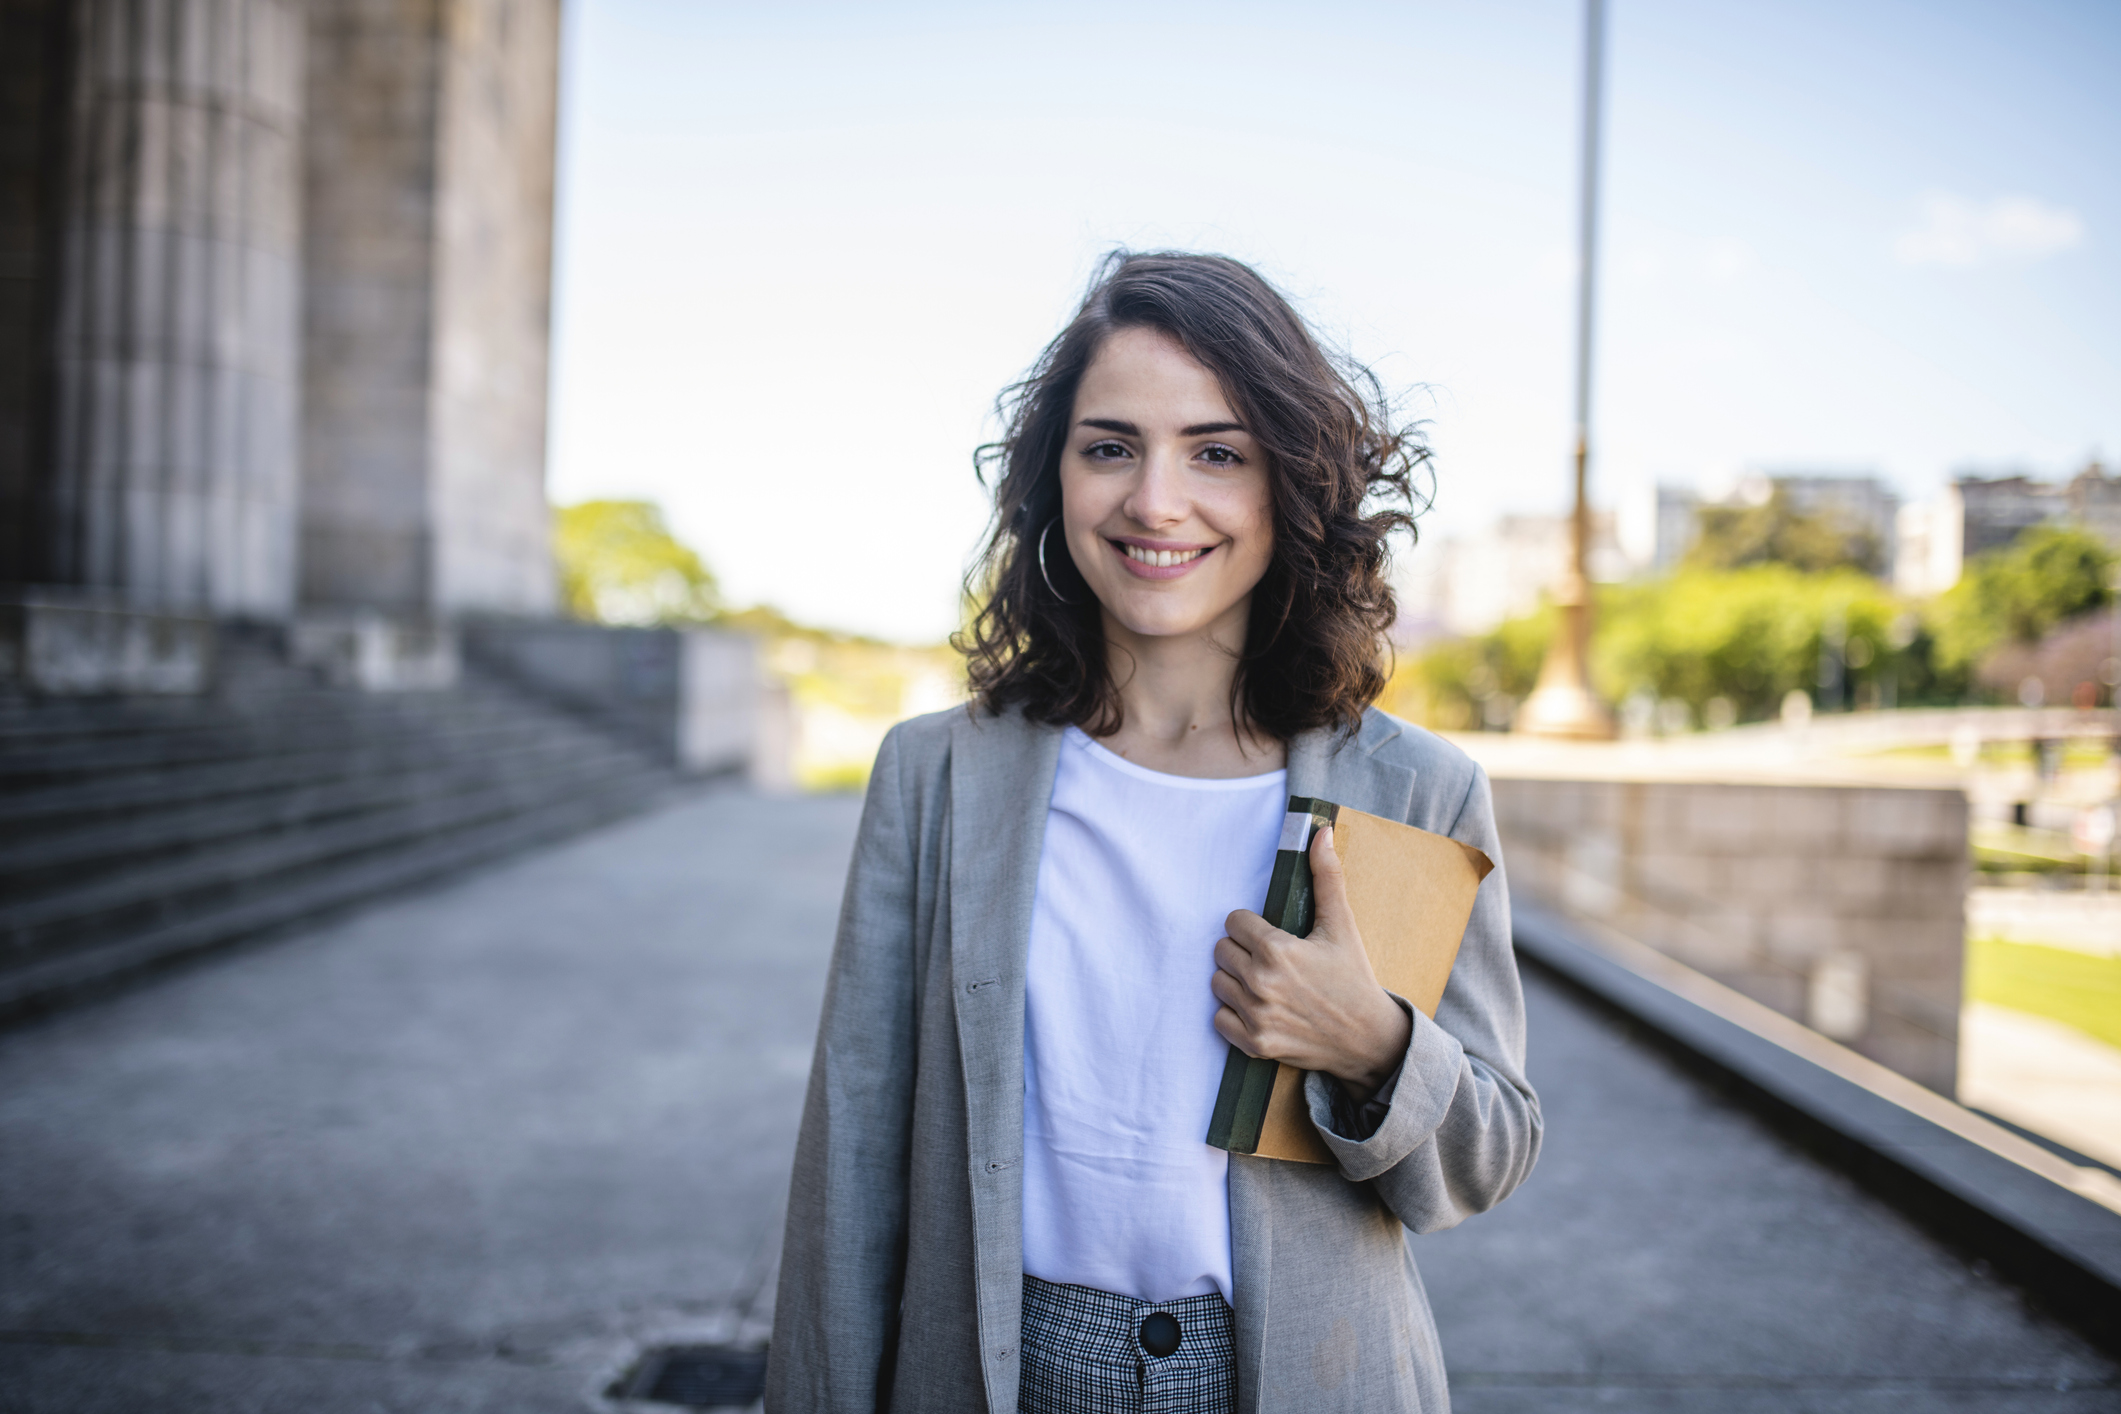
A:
(1248, 1081)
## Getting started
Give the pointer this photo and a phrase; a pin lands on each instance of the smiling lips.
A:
(1151, 562)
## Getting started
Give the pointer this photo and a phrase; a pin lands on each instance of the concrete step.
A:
(62, 851)
(136, 831)
(230, 737)
(381, 732)
(129, 793)
(78, 974)
(163, 890)
(44, 722)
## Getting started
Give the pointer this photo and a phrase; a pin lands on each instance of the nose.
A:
(1158, 498)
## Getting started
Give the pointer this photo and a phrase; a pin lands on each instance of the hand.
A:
(1311, 1002)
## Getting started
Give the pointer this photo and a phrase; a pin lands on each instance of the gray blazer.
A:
(902, 1268)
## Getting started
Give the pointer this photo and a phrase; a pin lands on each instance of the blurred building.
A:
(1976, 514)
(1932, 545)
(1674, 526)
(273, 338)
(276, 580)
(1857, 500)
(1470, 584)
(2095, 503)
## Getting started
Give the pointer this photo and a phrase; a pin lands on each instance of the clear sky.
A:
(802, 246)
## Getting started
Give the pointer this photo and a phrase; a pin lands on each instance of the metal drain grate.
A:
(697, 1377)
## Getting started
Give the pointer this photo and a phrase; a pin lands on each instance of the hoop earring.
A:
(1042, 574)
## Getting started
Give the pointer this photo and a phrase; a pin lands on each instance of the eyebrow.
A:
(1128, 429)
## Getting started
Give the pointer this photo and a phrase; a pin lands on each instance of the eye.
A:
(1106, 451)
(1216, 454)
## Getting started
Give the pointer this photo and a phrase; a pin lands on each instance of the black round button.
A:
(1160, 1333)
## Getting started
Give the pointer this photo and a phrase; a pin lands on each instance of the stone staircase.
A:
(135, 832)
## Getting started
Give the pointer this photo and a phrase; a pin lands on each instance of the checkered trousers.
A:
(1083, 1354)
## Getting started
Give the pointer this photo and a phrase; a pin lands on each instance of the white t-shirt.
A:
(1121, 1057)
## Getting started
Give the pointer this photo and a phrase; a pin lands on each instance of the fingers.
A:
(1233, 1020)
(1233, 957)
(1231, 1027)
(1249, 930)
(1233, 993)
(1253, 969)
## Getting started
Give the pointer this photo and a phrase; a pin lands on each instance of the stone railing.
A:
(694, 697)
(72, 643)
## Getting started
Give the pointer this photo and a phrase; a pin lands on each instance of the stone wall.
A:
(1840, 906)
(692, 697)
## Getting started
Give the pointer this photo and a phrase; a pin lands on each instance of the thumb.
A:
(1329, 889)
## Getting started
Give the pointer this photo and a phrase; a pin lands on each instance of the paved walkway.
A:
(466, 1151)
(2036, 1072)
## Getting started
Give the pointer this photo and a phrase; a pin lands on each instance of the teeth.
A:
(1161, 559)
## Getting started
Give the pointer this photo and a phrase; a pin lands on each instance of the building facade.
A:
(1975, 514)
(274, 305)
(1858, 500)
(1468, 585)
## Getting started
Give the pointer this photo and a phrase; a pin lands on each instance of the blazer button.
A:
(1160, 1334)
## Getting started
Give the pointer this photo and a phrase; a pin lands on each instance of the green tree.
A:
(619, 564)
(2019, 592)
(1748, 635)
(1776, 532)
(1463, 683)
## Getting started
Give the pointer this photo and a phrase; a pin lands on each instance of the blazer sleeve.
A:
(843, 1254)
(1464, 1127)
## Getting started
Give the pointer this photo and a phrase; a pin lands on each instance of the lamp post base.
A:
(1566, 711)
(1562, 704)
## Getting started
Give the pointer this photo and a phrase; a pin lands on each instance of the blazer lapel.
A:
(1001, 781)
(1346, 771)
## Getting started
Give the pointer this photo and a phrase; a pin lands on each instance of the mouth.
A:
(1152, 561)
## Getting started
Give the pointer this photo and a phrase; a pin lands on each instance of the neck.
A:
(1174, 693)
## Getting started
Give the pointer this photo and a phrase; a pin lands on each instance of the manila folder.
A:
(1412, 893)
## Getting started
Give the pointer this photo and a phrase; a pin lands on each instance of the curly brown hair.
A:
(1341, 475)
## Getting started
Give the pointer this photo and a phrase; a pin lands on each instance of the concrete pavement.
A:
(456, 1153)
(1671, 1253)
(470, 1149)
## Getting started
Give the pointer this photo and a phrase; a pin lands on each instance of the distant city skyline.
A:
(802, 248)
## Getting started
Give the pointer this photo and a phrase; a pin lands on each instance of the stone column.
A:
(428, 272)
(29, 32)
(172, 476)
(493, 304)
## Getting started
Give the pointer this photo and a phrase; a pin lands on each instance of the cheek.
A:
(1250, 521)
(1086, 500)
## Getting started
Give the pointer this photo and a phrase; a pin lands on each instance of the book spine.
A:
(1248, 1081)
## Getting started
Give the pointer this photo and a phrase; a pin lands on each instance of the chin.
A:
(1161, 620)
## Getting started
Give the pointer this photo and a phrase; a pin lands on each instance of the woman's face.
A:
(1164, 493)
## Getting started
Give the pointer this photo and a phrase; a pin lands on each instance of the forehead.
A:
(1146, 375)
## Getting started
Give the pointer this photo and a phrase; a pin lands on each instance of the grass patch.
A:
(2074, 988)
(840, 778)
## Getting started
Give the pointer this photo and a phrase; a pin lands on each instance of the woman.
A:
(1001, 1196)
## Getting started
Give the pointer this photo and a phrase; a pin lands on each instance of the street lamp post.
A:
(1563, 704)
